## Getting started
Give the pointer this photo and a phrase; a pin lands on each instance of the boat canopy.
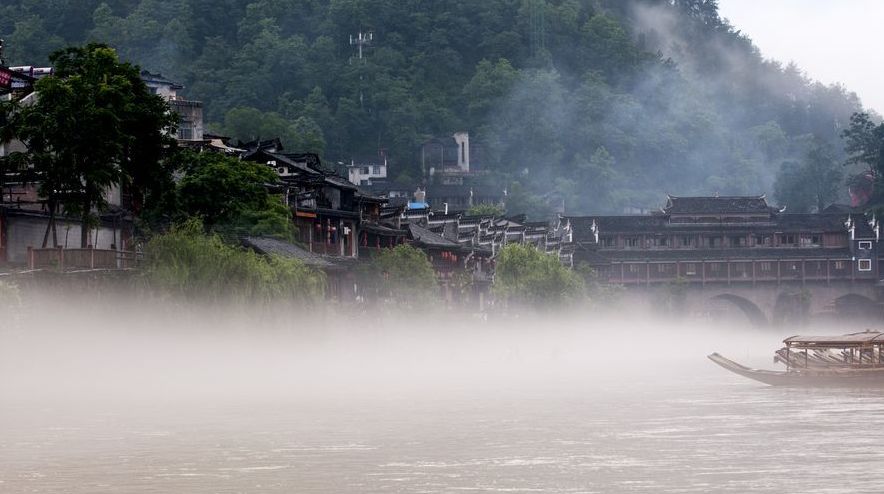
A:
(863, 338)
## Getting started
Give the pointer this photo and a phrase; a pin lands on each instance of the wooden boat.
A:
(851, 360)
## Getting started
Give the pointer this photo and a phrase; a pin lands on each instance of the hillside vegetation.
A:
(601, 104)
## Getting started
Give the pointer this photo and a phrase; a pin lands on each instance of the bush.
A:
(188, 263)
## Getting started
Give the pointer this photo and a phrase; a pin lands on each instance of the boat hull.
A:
(847, 378)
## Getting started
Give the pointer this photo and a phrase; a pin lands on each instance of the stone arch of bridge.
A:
(749, 308)
(855, 305)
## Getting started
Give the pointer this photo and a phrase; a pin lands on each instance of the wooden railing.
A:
(89, 258)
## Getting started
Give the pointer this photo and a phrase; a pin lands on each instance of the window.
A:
(686, 241)
(376, 170)
(660, 242)
(760, 240)
(815, 239)
(787, 239)
(738, 241)
(632, 242)
(865, 264)
(865, 245)
(633, 268)
(839, 265)
(714, 267)
(185, 130)
(365, 170)
(664, 268)
(607, 241)
(765, 267)
(690, 269)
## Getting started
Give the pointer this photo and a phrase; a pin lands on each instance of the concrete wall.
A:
(463, 143)
(25, 231)
(191, 113)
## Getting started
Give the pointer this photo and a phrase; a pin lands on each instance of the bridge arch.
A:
(750, 309)
(855, 305)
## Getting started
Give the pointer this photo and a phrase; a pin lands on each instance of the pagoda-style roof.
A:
(717, 205)
(582, 226)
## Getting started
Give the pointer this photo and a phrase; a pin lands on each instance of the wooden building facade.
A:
(728, 240)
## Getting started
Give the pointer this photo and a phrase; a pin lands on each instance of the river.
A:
(642, 425)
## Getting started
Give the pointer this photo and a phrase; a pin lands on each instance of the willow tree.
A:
(93, 125)
(526, 275)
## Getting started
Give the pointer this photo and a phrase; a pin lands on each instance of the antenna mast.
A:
(361, 40)
(538, 27)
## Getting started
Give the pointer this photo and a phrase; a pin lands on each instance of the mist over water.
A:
(110, 398)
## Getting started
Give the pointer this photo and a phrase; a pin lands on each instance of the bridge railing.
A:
(88, 258)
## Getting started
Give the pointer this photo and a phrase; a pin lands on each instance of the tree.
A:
(680, 98)
(525, 275)
(486, 209)
(521, 201)
(864, 141)
(93, 126)
(864, 144)
(812, 183)
(228, 193)
(405, 274)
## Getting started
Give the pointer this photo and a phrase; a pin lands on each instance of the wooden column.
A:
(703, 271)
(648, 273)
(753, 273)
(727, 265)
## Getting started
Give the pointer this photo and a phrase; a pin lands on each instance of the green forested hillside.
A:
(605, 104)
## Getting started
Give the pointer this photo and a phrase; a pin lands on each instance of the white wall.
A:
(463, 153)
(24, 231)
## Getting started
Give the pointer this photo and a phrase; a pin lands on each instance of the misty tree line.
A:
(95, 126)
(612, 102)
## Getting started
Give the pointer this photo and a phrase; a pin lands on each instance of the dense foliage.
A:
(864, 143)
(230, 195)
(189, 264)
(93, 127)
(525, 275)
(595, 104)
(403, 274)
(486, 209)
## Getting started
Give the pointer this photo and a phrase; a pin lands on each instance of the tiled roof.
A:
(272, 246)
(717, 205)
(428, 238)
(823, 222)
(159, 79)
